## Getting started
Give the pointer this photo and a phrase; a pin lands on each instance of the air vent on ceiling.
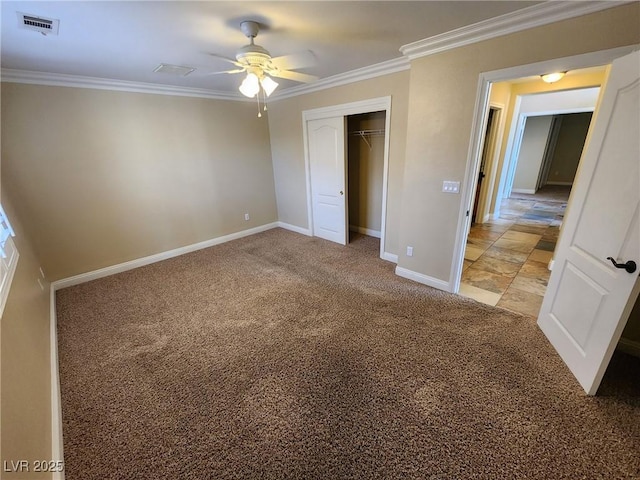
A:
(174, 69)
(46, 26)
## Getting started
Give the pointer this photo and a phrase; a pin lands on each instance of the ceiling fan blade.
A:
(239, 70)
(295, 60)
(295, 76)
(226, 59)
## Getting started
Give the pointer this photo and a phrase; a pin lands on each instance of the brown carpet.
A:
(280, 356)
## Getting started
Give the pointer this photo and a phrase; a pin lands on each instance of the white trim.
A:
(424, 279)
(343, 110)
(586, 60)
(294, 228)
(5, 283)
(390, 257)
(307, 173)
(377, 70)
(478, 126)
(563, 184)
(575, 62)
(632, 347)
(530, 17)
(528, 191)
(57, 450)
(78, 81)
(486, 188)
(140, 262)
(365, 231)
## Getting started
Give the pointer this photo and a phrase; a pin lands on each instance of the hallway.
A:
(506, 260)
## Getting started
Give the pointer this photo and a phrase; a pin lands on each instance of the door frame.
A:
(586, 60)
(516, 131)
(494, 148)
(344, 110)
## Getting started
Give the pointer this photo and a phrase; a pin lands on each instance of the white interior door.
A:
(588, 299)
(328, 173)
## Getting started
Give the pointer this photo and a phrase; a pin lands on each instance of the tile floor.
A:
(506, 260)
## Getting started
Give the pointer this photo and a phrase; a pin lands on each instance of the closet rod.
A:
(379, 131)
(368, 133)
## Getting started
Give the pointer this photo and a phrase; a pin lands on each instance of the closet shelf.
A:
(365, 134)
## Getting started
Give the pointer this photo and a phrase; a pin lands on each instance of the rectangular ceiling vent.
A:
(174, 69)
(46, 26)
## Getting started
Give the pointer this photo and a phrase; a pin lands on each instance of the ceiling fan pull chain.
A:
(258, 99)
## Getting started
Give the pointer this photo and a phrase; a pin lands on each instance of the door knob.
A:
(630, 266)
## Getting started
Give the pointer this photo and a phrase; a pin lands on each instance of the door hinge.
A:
(467, 213)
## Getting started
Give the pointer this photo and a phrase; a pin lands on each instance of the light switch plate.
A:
(450, 187)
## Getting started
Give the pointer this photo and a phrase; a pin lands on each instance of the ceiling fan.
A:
(260, 66)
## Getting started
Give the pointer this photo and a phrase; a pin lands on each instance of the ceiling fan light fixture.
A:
(268, 85)
(250, 85)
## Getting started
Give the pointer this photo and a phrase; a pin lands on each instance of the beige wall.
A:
(569, 146)
(534, 143)
(103, 177)
(287, 149)
(25, 399)
(440, 118)
(366, 167)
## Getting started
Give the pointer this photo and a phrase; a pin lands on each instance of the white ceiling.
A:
(128, 40)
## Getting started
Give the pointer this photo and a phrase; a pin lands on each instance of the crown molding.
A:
(384, 68)
(78, 81)
(63, 80)
(530, 17)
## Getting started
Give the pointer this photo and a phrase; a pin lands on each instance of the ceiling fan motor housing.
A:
(253, 55)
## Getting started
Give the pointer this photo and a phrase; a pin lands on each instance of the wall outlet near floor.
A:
(409, 251)
(246, 216)
(450, 187)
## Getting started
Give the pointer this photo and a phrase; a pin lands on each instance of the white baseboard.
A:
(424, 279)
(632, 347)
(389, 257)
(365, 231)
(294, 228)
(565, 184)
(529, 191)
(57, 451)
(140, 262)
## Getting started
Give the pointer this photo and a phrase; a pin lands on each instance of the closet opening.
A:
(365, 171)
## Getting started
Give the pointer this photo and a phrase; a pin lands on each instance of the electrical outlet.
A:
(409, 251)
(450, 187)
(246, 216)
